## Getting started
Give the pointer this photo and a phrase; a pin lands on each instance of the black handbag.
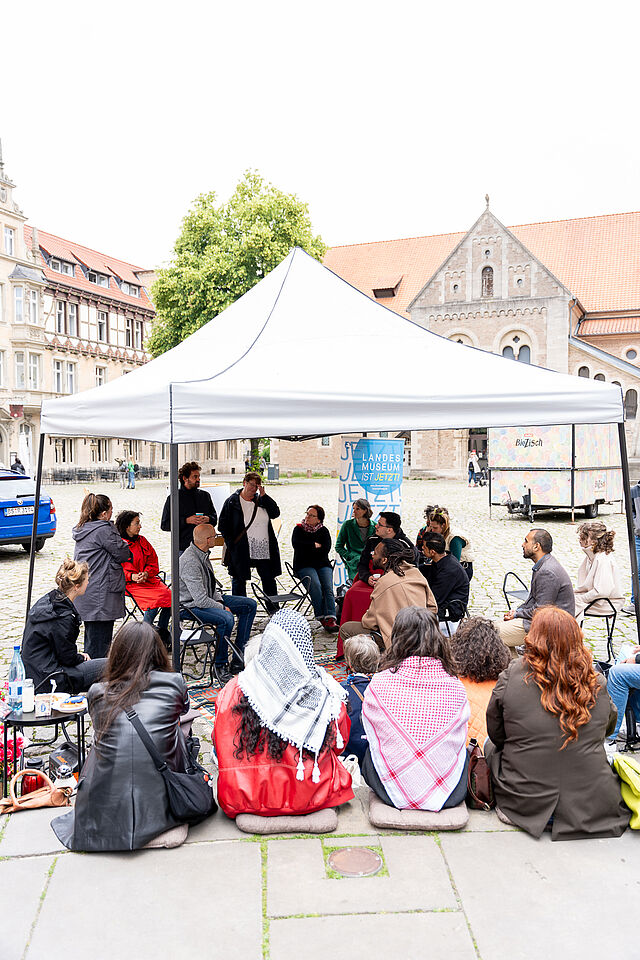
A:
(189, 794)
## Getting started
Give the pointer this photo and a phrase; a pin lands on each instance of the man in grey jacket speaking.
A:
(550, 586)
(200, 592)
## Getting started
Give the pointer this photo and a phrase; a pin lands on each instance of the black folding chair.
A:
(131, 609)
(517, 594)
(201, 640)
(298, 595)
(610, 619)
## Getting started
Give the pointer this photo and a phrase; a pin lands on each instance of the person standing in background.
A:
(195, 506)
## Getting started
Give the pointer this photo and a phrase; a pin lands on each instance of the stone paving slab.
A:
(297, 882)
(29, 833)
(217, 827)
(22, 883)
(528, 899)
(195, 901)
(415, 936)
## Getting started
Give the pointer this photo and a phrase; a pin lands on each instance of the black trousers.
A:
(90, 672)
(372, 780)
(265, 572)
(97, 637)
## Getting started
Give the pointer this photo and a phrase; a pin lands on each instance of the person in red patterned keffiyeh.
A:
(415, 715)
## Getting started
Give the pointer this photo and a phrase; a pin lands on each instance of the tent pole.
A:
(34, 525)
(630, 526)
(175, 556)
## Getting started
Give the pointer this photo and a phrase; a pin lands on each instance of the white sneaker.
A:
(610, 749)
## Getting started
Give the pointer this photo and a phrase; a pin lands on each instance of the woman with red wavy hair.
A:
(547, 719)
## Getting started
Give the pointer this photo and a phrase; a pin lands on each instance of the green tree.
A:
(222, 251)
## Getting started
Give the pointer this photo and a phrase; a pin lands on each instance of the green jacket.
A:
(349, 545)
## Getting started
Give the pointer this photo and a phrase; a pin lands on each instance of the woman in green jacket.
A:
(353, 536)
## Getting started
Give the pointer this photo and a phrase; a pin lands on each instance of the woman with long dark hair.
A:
(280, 726)
(416, 691)
(99, 544)
(547, 719)
(122, 801)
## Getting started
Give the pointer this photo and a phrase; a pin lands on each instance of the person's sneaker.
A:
(629, 609)
(610, 748)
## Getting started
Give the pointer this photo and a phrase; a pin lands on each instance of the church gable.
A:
(488, 264)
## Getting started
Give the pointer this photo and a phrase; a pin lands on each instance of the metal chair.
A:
(200, 635)
(131, 609)
(298, 595)
(516, 594)
(610, 619)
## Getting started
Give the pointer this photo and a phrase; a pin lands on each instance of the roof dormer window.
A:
(130, 288)
(386, 287)
(61, 266)
(99, 278)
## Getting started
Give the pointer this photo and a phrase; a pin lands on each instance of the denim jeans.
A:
(623, 682)
(245, 610)
(320, 589)
(163, 619)
(633, 586)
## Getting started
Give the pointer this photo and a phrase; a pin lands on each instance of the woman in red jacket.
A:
(272, 760)
(141, 573)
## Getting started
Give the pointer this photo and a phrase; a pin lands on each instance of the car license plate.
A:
(17, 511)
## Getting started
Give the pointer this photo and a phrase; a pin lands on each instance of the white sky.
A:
(390, 119)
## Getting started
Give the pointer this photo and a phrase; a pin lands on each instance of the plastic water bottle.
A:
(16, 676)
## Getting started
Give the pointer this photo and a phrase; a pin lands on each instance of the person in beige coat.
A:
(547, 720)
(598, 576)
(401, 585)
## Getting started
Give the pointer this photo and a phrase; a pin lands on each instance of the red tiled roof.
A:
(596, 258)
(599, 326)
(102, 263)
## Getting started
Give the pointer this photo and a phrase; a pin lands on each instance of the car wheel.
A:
(39, 544)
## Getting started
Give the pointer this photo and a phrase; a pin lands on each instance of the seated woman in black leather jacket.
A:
(122, 801)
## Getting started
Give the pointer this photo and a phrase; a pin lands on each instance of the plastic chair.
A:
(520, 595)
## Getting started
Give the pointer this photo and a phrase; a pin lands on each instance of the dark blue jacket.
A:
(358, 742)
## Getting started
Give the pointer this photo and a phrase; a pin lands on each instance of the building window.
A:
(99, 278)
(128, 332)
(72, 319)
(101, 376)
(487, 281)
(134, 449)
(71, 378)
(583, 372)
(211, 451)
(34, 371)
(631, 354)
(60, 266)
(631, 404)
(33, 306)
(384, 434)
(100, 452)
(9, 237)
(1, 302)
(64, 450)
(103, 324)
(57, 376)
(19, 361)
(2, 368)
(138, 335)
(326, 441)
(61, 321)
(524, 354)
(131, 289)
(163, 451)
(508, 353)
(18, 297)
(599, 376)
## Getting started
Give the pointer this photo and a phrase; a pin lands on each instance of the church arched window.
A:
(487, 281)
(524, 354)
(583, 372)
(631, 404)
(508, 352)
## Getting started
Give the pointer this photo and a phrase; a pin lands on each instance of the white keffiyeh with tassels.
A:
(292, 696)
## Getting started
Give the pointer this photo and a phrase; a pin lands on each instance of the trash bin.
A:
(273, 471)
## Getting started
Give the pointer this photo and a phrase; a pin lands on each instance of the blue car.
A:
(17, 494)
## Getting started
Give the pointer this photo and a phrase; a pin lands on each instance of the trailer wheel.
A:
(591, 511)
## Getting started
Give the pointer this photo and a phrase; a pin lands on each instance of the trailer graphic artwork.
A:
(535, 468)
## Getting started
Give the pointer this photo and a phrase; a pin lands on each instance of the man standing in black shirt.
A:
(195, 506)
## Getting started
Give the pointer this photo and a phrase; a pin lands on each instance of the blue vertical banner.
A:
(370, 467)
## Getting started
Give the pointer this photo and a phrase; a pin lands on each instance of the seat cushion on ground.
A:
(170, 838)
(381, 815)
(322, 821)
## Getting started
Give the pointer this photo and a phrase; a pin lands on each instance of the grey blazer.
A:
(550, 586)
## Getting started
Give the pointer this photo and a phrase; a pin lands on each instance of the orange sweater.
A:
(478, 695)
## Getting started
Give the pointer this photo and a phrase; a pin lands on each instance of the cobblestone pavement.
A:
(496, 541)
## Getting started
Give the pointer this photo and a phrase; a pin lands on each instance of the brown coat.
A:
(391, 594)
(535, 780)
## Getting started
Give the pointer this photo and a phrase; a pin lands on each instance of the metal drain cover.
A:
(355, 861)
